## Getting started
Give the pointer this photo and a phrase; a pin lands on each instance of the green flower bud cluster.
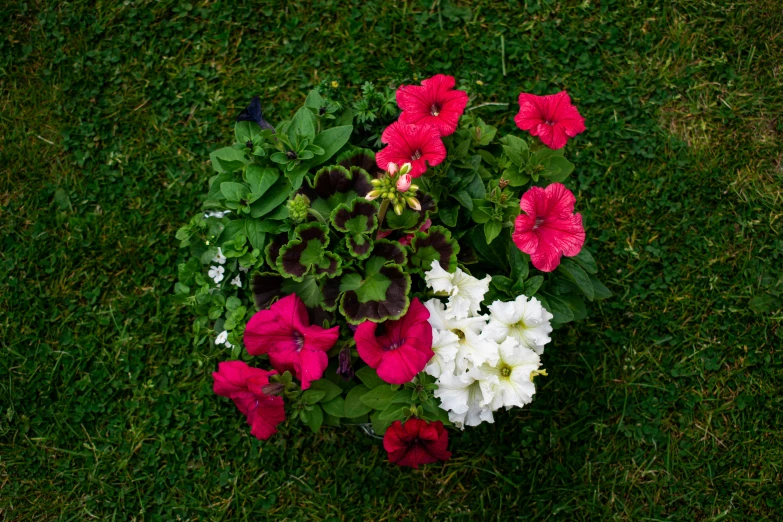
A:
(298, 207)
(397, 188)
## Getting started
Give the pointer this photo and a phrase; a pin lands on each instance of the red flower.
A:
(434, 103)
(246, 387)
(284, 332)
(549, 228)
(416, 442)
(402, 350)
(552, 118)
(414, 144)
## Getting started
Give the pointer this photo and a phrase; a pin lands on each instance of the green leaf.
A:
(255, 234)
(379, 398)
(369, 377)
(532, 285)
(601, 292)
(561, 311)
(464, 199)
(302, 126)
(488, 157)
(519, 261)
(245, 131)
(577, 275)
(273, 198)
(449, 215)
(331, 140)
(379, 426)
(492, 230)
(228, 159)
(335, 407)
(764, 303)
(260, 179)
(557, 168)
(330, 389)
(514, 148)
(315, 418)
(434, 245)
(482, 211)
(312, 396)
(585, 259)
(392, 413)
(234, 191)
(515, 176)
(314, 100)
(354, 407)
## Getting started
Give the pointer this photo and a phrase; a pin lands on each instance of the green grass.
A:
(664, 405)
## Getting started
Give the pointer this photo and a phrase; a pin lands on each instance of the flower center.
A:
(395, 345)
(416, 155)
(505, 371)
(549, 122)
(299, 340)
(538, 223)
(435, 109)
(460, 334)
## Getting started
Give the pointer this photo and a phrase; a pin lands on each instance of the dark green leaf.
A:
(379, 398)
(330, 389)
(354, 407)
(335, 407)
(577, 275)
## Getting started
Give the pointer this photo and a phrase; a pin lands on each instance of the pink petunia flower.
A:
(549, 228)
(552, 118)
(285, 334)
(435, 102)
(418, 145)
(404, 347)
(248, 387)
(416, 442)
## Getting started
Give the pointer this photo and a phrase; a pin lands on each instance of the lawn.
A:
(665, 404)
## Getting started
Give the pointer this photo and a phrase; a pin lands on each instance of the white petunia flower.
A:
(222, 337)
(465, 291)
(438, 279)
(216, 273)
(219, 258)
(236, 281)
(445, 345)
(514, 370)
(472, 348)
(467, 397)
(526, 321)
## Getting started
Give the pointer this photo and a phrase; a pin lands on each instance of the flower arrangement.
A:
(404, 291)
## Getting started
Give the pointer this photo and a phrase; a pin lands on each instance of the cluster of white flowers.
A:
(482, 362)
(216, 213)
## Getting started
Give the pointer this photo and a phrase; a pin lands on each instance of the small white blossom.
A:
(244, 269)
(236, 281)
(219, 258)
(216, 273)
(222, 338)
(466, 292)
(467, 397)
(526, 321)
(445, 345)
(514, 370)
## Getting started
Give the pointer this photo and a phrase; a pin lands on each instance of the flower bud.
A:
(373, 194)
(413, 188)
(405, 169)
(413, 203)
(398, 208)
(375, 182)
(392, 168)
(404, 183)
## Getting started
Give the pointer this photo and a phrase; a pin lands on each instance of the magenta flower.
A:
(416, 442)
(418, 145)
(403, 348)
(549, 228)
(247, 386)
(552, 118)
(434, 103)
(285, 334)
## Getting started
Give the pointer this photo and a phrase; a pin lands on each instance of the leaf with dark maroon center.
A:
(269, 287)
(357, 221)
(434, 245)
(335, 185)
(272, 250)
(307, 254)
(362, 158)
(410, 220)
(377, 294)
(392, 251)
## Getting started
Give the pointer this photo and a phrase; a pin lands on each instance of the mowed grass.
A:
(665, 404)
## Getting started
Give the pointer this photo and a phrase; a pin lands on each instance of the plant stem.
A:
(382, 215)
(317, 215)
